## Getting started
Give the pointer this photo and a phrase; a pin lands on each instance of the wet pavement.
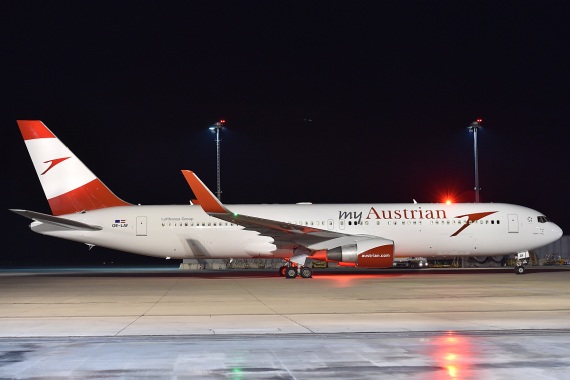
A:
(157, 323)
(413, 355)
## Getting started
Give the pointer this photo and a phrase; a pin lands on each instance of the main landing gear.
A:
(522, 258)
(291, 270)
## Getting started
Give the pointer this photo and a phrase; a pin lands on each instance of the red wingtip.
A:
(34, 129)
(206, 199)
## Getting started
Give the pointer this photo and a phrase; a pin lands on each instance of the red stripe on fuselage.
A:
(92, 196)
(34, 129)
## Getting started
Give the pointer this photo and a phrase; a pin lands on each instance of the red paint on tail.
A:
(34, 129)
(92, 196)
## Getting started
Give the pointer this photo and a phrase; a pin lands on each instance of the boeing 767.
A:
(363, 235)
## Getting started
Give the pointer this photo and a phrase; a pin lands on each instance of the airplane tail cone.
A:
(68, 184)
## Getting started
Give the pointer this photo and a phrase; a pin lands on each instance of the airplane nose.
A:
(557, 231)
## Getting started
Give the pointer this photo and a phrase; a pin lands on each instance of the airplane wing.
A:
(281, 232)
(57, 221)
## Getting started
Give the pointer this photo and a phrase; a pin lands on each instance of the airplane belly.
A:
(194, 246)
(237, 244)
(420, 242)
(460, 245)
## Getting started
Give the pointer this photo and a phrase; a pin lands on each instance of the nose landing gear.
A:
(522, 259)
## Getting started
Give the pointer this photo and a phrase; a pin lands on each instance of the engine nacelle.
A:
(372, 253)
(346, 253)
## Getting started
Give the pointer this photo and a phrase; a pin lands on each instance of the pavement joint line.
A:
(283, 364)
(150, 308)
(336, 335)
(255, 297)
(273, 310)
(153, 305)
(286, 314)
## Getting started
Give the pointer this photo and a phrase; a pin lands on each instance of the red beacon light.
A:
(448, 198)
(222, 121)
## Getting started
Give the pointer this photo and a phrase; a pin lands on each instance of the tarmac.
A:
(157, 322)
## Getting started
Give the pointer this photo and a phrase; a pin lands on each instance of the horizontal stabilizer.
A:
(57, 221)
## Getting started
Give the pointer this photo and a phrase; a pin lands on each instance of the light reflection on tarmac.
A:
(157, 323)
(413, 355)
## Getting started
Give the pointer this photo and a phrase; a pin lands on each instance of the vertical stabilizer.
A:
(68, 184)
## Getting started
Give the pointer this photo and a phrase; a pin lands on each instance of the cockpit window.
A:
(542, 219)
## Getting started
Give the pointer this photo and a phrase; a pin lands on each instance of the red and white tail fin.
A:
(68, 184)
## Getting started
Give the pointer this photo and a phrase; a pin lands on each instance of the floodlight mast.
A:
(474, 127)
(219, 125)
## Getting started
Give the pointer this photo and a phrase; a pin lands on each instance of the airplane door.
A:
(141, 225)
(513, 223)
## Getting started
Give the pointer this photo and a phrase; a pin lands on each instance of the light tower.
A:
(474, 127)
(219, 125)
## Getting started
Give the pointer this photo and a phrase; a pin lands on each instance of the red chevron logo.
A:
(471, 219)
(53, 162)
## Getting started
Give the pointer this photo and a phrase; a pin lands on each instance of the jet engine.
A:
(371, 253)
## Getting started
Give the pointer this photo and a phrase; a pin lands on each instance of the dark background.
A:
(325, 101)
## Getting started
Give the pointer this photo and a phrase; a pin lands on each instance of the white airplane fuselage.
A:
(417, 229)
(85, 210)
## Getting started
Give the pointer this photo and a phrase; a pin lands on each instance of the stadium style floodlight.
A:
(474, 127)
(219, 125)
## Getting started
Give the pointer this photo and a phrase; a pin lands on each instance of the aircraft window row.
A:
(366, 222)
(403, 222)
(317, 223)
(447, 222)
(198, 224)
(419, 222)
(541, 219)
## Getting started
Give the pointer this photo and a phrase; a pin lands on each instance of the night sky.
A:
(325, 101)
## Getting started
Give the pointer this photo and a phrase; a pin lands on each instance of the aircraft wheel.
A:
(519, 269)
(291, 272)
(282, 271)
(306, 272)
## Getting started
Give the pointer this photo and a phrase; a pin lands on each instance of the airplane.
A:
(360, 235)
